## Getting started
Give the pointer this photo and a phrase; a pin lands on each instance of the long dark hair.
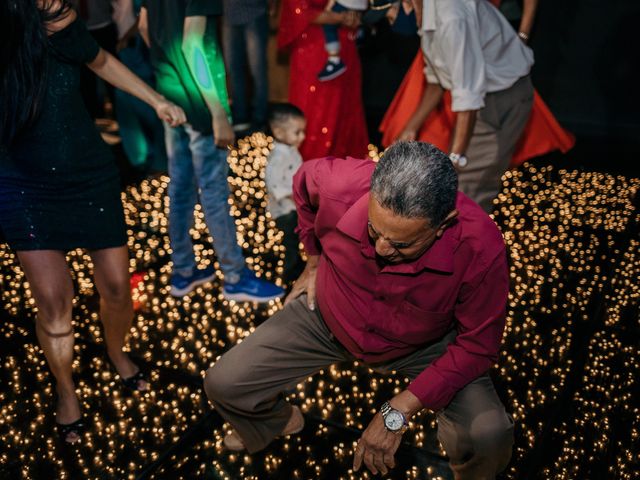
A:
(23, 66)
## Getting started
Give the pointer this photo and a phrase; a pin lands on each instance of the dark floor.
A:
(568, 370)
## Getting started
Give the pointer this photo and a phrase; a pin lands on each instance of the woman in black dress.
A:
(59, 185)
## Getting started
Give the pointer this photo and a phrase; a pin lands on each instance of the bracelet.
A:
(459, 160)
(523, 36)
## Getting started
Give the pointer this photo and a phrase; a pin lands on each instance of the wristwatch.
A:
(458, 160)
(394, 420)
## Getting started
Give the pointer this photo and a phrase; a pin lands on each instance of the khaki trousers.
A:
(246, 387)
(498, 128)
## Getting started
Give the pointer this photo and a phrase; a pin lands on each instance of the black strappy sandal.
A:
(78, 427)
(132, 383)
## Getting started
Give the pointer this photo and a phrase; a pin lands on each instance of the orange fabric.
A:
(541, 135)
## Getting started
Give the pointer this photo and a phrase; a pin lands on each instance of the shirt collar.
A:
(439, 257)
(428, 15)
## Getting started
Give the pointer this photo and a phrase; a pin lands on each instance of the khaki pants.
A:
(498, 128)
(247, 382)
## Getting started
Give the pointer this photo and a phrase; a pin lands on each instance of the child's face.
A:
(291, 131)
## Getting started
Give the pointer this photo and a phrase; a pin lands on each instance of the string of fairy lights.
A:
(567, 371)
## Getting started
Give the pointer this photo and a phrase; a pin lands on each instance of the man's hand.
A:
(223, 134)
(377, 447)
(306, 283)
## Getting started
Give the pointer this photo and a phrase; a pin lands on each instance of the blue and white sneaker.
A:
(251, 289)
(180, 285)
(332, 70)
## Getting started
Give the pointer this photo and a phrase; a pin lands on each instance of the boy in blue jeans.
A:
(189, 70)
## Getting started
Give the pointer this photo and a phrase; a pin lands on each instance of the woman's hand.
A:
(351, 19)
(408, 134)
(170, 112)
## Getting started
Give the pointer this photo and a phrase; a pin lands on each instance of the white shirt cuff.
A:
(463, 100)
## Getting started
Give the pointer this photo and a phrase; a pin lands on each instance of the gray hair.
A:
(415, 179)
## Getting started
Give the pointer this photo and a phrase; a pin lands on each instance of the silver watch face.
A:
(394, 421)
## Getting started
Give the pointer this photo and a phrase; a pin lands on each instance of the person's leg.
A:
(474, 428)
(257, 36)
(182, 199)
(476, 432)
(293, 263)
(111, 274)
(211, 170)
(498, 128)
(48, 275)
(235, 52)
(514, 109)
(482, 154)
(246, 384)
(334, 67)
(331, 40)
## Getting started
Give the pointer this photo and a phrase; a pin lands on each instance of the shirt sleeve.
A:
(480, 316)
(429, 73)
(463, 55)
(74, 43)
(203, 8)
(306, 195)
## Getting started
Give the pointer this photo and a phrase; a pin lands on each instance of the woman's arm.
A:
(111, 70)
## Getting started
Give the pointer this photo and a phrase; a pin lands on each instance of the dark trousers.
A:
(246, 387)
(247, 44)
(498, 128)
(293, 263)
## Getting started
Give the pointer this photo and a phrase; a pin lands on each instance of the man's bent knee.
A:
(492, 435)
(219, 384)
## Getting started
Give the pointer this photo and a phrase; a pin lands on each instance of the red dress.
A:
(542, 133)
(335, 116)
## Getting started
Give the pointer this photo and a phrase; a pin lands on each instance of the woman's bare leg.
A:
(111, 274)
(51, 287)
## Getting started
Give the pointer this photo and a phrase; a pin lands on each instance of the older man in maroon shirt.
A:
(404, 274)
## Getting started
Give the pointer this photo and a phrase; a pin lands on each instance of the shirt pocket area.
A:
(412, 325)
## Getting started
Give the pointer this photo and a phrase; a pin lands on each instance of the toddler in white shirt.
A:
(287, 125)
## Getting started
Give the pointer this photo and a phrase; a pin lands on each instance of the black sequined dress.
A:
(59, 185)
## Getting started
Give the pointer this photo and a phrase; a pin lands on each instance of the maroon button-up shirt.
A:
(378, 314)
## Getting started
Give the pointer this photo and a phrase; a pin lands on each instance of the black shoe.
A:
(332, 70)
(132, 383)
(78, 427)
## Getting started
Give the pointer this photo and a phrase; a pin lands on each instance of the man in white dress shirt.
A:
(471, 50)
